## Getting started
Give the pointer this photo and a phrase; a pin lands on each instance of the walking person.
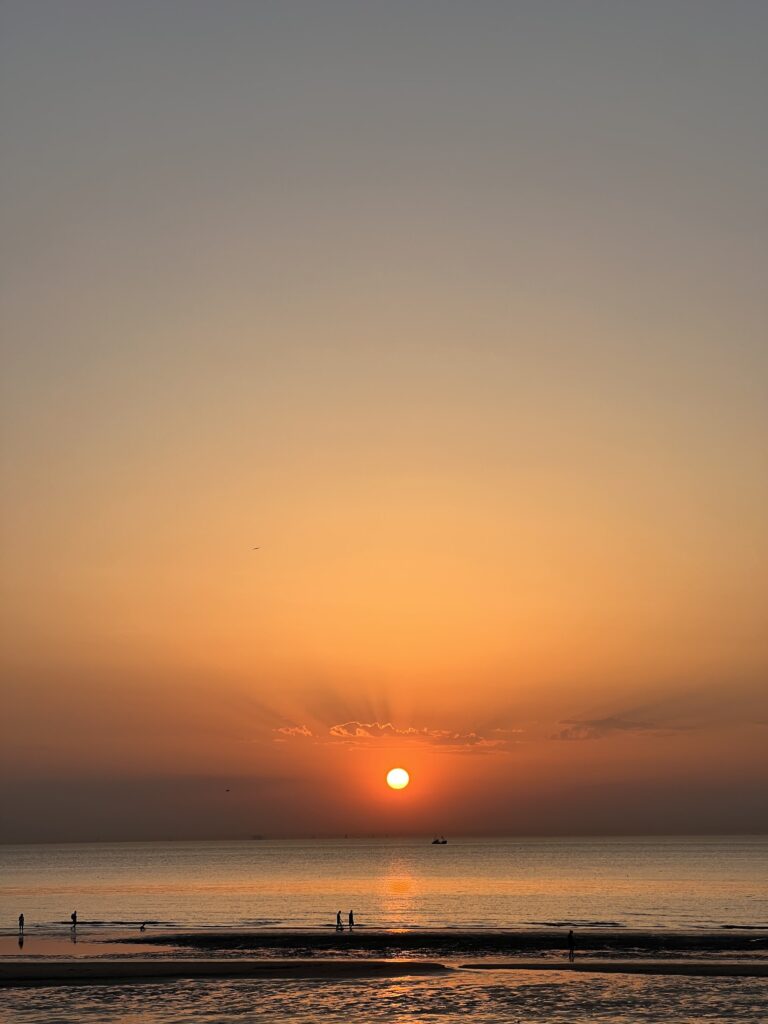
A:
(339, 925)
(73, 919)
(351, 920)
(571, 946)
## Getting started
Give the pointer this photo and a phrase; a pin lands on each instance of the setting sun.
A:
(398, 778)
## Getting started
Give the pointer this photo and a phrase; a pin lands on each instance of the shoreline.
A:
(102, 971)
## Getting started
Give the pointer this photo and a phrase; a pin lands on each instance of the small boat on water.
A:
(442, 841)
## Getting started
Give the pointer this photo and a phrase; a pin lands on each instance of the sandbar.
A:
(100, 971)
(436, 942)
(84, 971)
(692, 968)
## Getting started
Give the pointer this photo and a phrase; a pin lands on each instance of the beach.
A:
(705, 953)
(529, 995)
(219, 975)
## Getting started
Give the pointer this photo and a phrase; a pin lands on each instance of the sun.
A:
(398, 778)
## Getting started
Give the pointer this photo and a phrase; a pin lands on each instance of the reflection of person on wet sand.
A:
(21, 940)
(339, 925)
(571, 946)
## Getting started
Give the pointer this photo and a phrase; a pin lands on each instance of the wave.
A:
(577, 923)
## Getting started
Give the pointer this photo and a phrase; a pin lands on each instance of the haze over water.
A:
(679, 883)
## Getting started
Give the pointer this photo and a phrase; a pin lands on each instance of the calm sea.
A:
(679, 883)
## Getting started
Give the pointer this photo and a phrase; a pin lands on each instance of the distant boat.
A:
(442, 841)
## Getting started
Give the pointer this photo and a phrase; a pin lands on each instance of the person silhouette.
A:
(21, 924)
(351, 920)
(571, 946)
(73, 918)
(339, 925)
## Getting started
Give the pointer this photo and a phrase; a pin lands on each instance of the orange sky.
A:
(473, 349)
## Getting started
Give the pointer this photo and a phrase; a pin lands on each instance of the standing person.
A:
(571, 946)
(21, 924)
(339, 925)
(73, 918)
(351, 920)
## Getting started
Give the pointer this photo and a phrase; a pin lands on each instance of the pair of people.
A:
(73, 919)
(339, 924)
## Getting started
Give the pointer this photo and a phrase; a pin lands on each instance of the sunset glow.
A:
(382, 383)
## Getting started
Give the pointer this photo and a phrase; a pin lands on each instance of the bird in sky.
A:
(255, 549)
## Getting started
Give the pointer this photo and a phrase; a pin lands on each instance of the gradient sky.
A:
(458, 311)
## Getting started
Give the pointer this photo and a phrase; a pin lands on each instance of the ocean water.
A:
(675, 883)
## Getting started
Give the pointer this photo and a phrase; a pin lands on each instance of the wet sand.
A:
(691, 968)
(82, 971)
(104, 971)
(44, 945)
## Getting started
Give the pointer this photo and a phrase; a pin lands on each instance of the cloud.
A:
(374, 730)
(358, 733)
(294, 731)
(722, 707)
(366, 732)
(598, 728)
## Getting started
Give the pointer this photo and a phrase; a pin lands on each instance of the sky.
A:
(457, 313)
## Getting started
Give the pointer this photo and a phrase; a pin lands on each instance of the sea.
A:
(679, 883)
(672, 884)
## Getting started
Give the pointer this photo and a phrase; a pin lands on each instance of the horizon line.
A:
(763, 834)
